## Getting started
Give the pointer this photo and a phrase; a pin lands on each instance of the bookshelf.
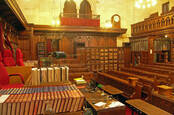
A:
(104, 58)
(41, 49)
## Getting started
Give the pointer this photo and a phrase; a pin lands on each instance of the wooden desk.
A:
(95, 97)
(111, 90)
(162, 101)
(165, 90)
(146, 108)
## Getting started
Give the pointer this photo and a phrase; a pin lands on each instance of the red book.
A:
(18, 103)
(74, 100)
(33, 103)
(59, 101)
(23, 102)
(13, 109)
(27, 104)
(55, 102)
(39, 100)
(81, 100)
(70, 96)
(66, 100)
(62, 101)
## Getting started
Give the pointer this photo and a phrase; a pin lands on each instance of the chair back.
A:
(4, 78)
(0, 57)
(19, 57)
(8, 59)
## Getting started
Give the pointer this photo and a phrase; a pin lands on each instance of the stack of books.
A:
(32, 101)
(80, 81)
(50, 74)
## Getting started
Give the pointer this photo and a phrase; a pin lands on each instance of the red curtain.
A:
(1, 38)
(9, 44)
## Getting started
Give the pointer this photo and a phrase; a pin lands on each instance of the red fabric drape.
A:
(1, 38)
(9, 44)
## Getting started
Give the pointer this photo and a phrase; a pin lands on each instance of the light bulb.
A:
(137, 5)
(53, 22)
(154, 2)
(58, 22)
(108, 25)
(140, 1)
(144, 7)
(148, 5)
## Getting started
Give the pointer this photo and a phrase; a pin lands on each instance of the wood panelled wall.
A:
(66, 42)
(154, 28)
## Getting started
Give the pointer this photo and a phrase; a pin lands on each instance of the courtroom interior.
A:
(86, 57)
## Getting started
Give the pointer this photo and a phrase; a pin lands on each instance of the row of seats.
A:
(8, 60)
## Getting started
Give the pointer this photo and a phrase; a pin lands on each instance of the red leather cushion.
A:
(4, 78)
(20, 62)
(8, 58)
(19, 53)
(0, 57)
(19, 57)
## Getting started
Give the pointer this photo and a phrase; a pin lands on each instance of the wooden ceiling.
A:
(9, 15)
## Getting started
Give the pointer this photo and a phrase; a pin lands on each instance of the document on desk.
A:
(115, 104)
(99, 104)
(3, 98)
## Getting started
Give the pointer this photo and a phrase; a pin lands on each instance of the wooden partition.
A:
(104, 58)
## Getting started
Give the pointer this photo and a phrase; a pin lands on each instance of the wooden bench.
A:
(129, 90)
(158, 66)
(155, 70)
(146, 108)
(164, 78)
(165, 64)
(125, 75)
(164, 102)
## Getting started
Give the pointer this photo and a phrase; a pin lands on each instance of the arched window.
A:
(172, 19)
(163, 22)
(142, 27)
(158, 24)
(85, 10)
(167, 21)
(69, 9)
(154, 25)
(150, 26)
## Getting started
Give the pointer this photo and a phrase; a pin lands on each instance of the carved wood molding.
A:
(16, 10)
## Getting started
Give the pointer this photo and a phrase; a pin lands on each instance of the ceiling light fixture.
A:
(145, 3)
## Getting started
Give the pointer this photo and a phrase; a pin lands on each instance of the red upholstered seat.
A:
(0, 57)
(4, 78)
(19, 57)
(8, 59)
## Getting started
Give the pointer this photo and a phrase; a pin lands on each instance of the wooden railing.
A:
(153, 23)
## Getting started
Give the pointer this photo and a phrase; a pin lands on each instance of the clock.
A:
(116, 18)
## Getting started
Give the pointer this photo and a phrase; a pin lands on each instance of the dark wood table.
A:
(94, 97)
(146, 108)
